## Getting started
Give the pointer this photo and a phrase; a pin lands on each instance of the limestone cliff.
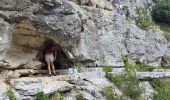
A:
(87, 31)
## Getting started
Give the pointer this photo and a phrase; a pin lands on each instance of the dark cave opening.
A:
(62, 60)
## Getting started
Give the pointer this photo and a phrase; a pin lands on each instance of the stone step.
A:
(161, 70)
(149, 75)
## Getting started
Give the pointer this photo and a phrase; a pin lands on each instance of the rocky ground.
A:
(90, 83)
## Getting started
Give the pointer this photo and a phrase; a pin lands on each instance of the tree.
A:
(161, 12)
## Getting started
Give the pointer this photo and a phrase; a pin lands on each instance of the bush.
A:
(143, 67)
(108, 91)
(125, 59)
(107, 69)
(161, 12)
(142, 20)
(118, 79)
(166, 29)
(41, 96)
(128, 82)
(11, 95)
(79, 96)
(163, 89)
(56, 96)
(131, 87)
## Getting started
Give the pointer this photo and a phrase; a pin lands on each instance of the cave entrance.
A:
(63, 58)
(27, 43)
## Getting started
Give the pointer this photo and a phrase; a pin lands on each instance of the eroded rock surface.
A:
(95, 36)
(27, 87)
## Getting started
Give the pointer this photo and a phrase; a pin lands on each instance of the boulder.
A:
(147, 90)
(29, 87)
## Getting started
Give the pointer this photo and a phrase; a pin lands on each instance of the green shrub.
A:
(131, 83)
(125, 59)
(166, 29)
(128, 82)
(156, 1)
(162, 88)
(56, 96)
(142, 20)
(143, 67)
(41, 96)
(11, 95)
(107, 69)
(108, 91)
(118, 79)
(131, 87)
(79, 96)
(161, 12)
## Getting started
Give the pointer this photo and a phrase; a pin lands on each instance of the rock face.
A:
(27, 88)
(94, 35)
(147, 90)
(5, 35)
(149, 75)
(89, 33)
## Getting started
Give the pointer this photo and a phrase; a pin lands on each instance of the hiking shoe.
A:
(54, 74)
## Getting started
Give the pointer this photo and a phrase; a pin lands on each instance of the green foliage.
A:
(156, 1)
(117, 79)
(131, 87)
(131, 84)
(161, 12)
(143, 67)
(56, 96)
(141, 11)
(128, 82)
(166, 29)
(132, 67)
(109, 92)
(163, 89)
(41, 96)
(125, 59)
(107, 69)
(142, 20)
(11, 95)
(79, 96)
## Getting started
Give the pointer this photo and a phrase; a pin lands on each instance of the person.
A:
(50, 56)
(126, 11)
(117, 5)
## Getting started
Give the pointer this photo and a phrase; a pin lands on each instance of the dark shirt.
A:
(49, 50)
